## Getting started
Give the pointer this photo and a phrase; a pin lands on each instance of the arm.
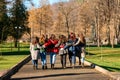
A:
(58, 44)
(77, 42)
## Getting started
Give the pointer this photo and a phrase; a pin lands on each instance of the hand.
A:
(73, 44)
(43, 46)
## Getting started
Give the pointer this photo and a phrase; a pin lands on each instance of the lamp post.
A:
(18, 28)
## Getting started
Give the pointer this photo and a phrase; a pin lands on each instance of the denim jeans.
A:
(52, 57)
(35, 62)
(82, 59)
(72, 54)
(63, 60)
(43, 58)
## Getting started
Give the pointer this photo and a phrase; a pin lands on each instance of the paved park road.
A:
(27, 73)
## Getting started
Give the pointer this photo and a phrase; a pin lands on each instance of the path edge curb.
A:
(7, 74)
(102, 70)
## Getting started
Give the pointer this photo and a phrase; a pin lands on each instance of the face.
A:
(52, 36)
(72, 36)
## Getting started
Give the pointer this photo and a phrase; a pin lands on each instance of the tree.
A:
(67, 9)
(18, 20)
(45, 16)
(41, 17)
(4, 20)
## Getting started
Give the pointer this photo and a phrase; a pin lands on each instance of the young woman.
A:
(51, 47)
(43, 52)
(82, 45)
(34, 49)
(62, 51)
(71, 49)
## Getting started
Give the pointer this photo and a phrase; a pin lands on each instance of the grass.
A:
(6, 62)
(10, 56)
(106, 57)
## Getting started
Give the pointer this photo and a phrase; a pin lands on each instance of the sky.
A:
(36, 2)
(53, 1)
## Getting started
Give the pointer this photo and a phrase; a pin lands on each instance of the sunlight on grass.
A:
(108, 58)
(9, 56)
(6, 62)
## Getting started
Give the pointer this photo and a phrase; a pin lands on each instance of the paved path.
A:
(27, 73)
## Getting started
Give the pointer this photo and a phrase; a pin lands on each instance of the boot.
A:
(34, 67)
(45, 67)
(82, 64)
(73, 66)
(79, 62)
(52, 66)
(70, 64)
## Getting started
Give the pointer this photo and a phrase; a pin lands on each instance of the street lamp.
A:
(18, 28)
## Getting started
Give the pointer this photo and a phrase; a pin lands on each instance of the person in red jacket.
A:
(51, 48)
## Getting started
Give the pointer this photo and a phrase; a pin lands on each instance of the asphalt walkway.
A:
(78, 73)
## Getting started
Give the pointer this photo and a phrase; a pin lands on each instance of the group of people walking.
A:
(72, 46)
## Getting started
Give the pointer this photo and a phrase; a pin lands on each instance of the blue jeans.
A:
(35, 62)
(52, 57)
(72, 54)
(43, 58)
(82, 59)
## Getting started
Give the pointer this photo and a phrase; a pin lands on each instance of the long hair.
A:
(42, 38)
(82, 38)
(52, 36)
(62, 38)
(35, 40)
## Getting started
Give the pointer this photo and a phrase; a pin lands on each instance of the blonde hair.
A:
(82, 38)
(42, 38)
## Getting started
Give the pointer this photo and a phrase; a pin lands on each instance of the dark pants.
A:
(35, 62)
(72, 55)
(63, 60)
(72, 58)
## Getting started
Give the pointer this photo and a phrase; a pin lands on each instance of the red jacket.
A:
(50, 46)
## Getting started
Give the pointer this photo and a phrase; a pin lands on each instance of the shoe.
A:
(82, 64)
(33, 67)
(73, 66)
(64, 67)
(79, 62)
(45, 67)
(42, 67)
(52, 66)
(70, 65)
(36, 68)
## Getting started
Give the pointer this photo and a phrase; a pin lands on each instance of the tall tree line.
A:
(97, 19)
(3, 20)
(13, 19)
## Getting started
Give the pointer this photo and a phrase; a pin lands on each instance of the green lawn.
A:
(105, 57)
(6, 62)
(10, 56)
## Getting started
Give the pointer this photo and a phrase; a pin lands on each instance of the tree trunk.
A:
(15, 43)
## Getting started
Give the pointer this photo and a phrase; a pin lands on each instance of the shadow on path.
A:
(53, 75)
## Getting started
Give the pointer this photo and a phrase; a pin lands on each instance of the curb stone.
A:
(104, 71)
